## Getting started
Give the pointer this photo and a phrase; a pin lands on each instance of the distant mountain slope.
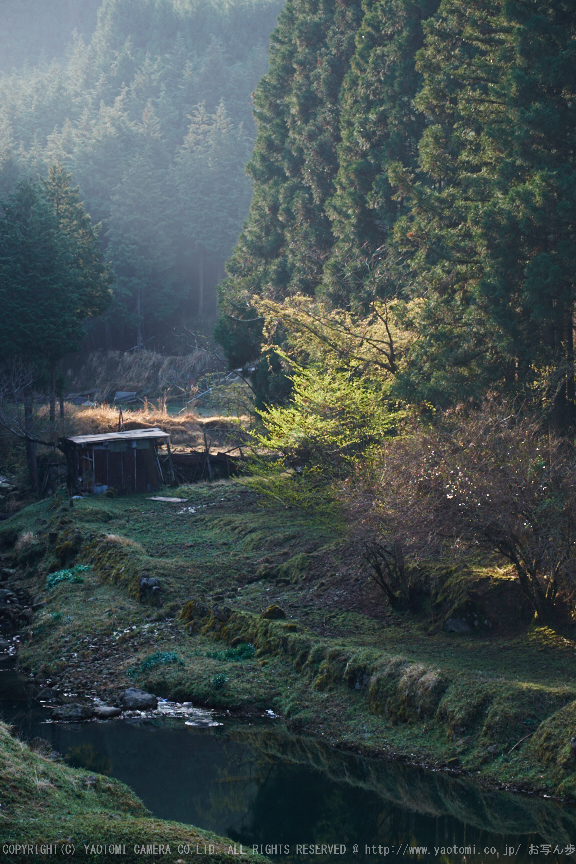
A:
(31, 30)
(152, 115)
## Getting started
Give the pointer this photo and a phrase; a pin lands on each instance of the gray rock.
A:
(104, 712)
(7, 597)
(4, 645)
(456, 625)
(46, 694)
(149, 589)
(493, 749)
(72, 713)
(138, 700)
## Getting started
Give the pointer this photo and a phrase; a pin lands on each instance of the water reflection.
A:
(261, 785)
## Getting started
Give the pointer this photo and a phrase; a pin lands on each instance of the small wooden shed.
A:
(124, 461)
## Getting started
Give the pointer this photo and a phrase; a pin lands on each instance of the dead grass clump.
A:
(28, 547)
(118, 540)
(24, 540)
(183, 428)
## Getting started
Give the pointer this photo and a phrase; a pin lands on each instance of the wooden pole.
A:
(170, 462)
(207, 452)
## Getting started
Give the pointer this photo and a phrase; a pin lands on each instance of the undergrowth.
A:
(72, 574)
(159, 658)
(244, 651)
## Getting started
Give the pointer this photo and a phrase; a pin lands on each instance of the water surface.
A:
(263, 786)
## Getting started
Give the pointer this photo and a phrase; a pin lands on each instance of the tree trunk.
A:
(30, 445)
(543, 606)
(570, 386)
(52, 396)
(200, 282)
(564, 407)
(139, 336)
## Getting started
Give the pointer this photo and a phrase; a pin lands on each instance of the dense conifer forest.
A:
(147, 105)
(419, 155)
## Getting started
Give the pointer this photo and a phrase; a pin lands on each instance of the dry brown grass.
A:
(25, 540)
(184, 429)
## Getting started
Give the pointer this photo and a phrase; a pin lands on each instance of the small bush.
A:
(244, 651)
(487, 480)
(159, 658)
(72, 574)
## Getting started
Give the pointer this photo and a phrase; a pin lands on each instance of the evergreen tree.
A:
(213, 193)
(140, 248)
(379, 126)
(489, 235)
(287, 237)
(51, 274)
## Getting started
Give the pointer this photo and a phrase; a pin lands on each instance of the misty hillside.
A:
(39, 30)
(150, 110)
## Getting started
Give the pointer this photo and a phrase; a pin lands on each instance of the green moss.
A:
(551, 741)
(40, 797)
(376, 681)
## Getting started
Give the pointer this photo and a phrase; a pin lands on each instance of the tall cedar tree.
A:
(287, 237)
(379, 126)
(490, 235)
(51, 273)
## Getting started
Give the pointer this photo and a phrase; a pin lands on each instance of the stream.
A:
(289, 795)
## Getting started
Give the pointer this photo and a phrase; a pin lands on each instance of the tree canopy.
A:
(149, 109)
(52, 276)
(434, 167)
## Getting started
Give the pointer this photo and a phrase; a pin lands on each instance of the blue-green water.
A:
(298, 799)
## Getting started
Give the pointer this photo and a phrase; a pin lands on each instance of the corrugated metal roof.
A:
(132, 435)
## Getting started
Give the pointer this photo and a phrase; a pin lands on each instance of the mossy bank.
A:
(49, 809)
(496, 702)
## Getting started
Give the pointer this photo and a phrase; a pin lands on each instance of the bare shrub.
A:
(489, 480)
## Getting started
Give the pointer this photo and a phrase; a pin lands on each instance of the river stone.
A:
(72, 713)
(104, 712)
(47, 694)
(138, 700)
(7, 597)
(456, 625)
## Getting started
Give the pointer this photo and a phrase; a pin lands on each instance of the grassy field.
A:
(498, 704)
